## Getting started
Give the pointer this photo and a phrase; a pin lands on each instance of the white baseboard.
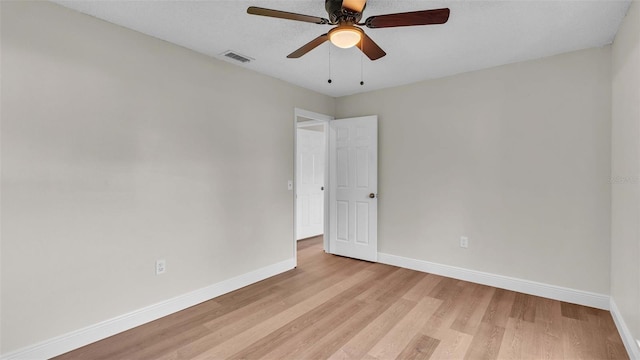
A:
(75, 339)
(580, 297)
(632, 345)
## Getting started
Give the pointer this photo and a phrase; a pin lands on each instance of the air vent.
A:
(237, 57)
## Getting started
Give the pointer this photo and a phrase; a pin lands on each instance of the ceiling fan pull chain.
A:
(329, 81)
(361, 68)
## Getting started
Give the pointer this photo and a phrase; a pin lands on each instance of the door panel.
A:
(353, 176)
(362, 222)
(342, 222)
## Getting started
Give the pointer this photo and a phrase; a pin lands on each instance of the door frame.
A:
(301, 113)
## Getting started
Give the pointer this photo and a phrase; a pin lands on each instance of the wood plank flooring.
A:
(332, 307)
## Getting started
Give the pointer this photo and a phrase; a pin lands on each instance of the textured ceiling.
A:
(479, 34)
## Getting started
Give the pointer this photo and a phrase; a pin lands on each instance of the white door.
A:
(353, 184)
(310, 177)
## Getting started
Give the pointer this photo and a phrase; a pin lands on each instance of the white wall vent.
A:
(237, 57)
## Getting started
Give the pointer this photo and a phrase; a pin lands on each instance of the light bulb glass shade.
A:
(345, 36)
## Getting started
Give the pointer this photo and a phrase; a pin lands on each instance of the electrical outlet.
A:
(161, 266)
(464, 242)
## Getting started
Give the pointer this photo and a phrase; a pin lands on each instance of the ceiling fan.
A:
(346, 14)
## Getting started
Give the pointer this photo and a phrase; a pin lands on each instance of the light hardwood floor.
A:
(339, 308)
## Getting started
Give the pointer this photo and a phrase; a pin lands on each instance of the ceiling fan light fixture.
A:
(345, 36)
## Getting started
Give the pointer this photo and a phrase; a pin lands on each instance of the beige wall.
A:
(625, 171)
(119, 149)
(517, 158)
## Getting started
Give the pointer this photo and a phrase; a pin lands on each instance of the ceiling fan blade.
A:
(424, 17)
(354, 5)
(253, 10)
(309, 46)
(370, 48)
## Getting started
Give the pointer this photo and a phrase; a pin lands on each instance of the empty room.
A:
(319, 179)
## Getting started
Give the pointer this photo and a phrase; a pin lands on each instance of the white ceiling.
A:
(479, 34)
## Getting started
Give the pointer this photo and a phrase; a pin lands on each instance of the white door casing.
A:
(353, 186)
(310, 178)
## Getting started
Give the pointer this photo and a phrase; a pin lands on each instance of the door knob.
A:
(322, 188)
(372, 195)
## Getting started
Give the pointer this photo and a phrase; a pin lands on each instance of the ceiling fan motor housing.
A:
(338, 14)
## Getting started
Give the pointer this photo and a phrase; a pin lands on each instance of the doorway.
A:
(310, 171)
(310, 190)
